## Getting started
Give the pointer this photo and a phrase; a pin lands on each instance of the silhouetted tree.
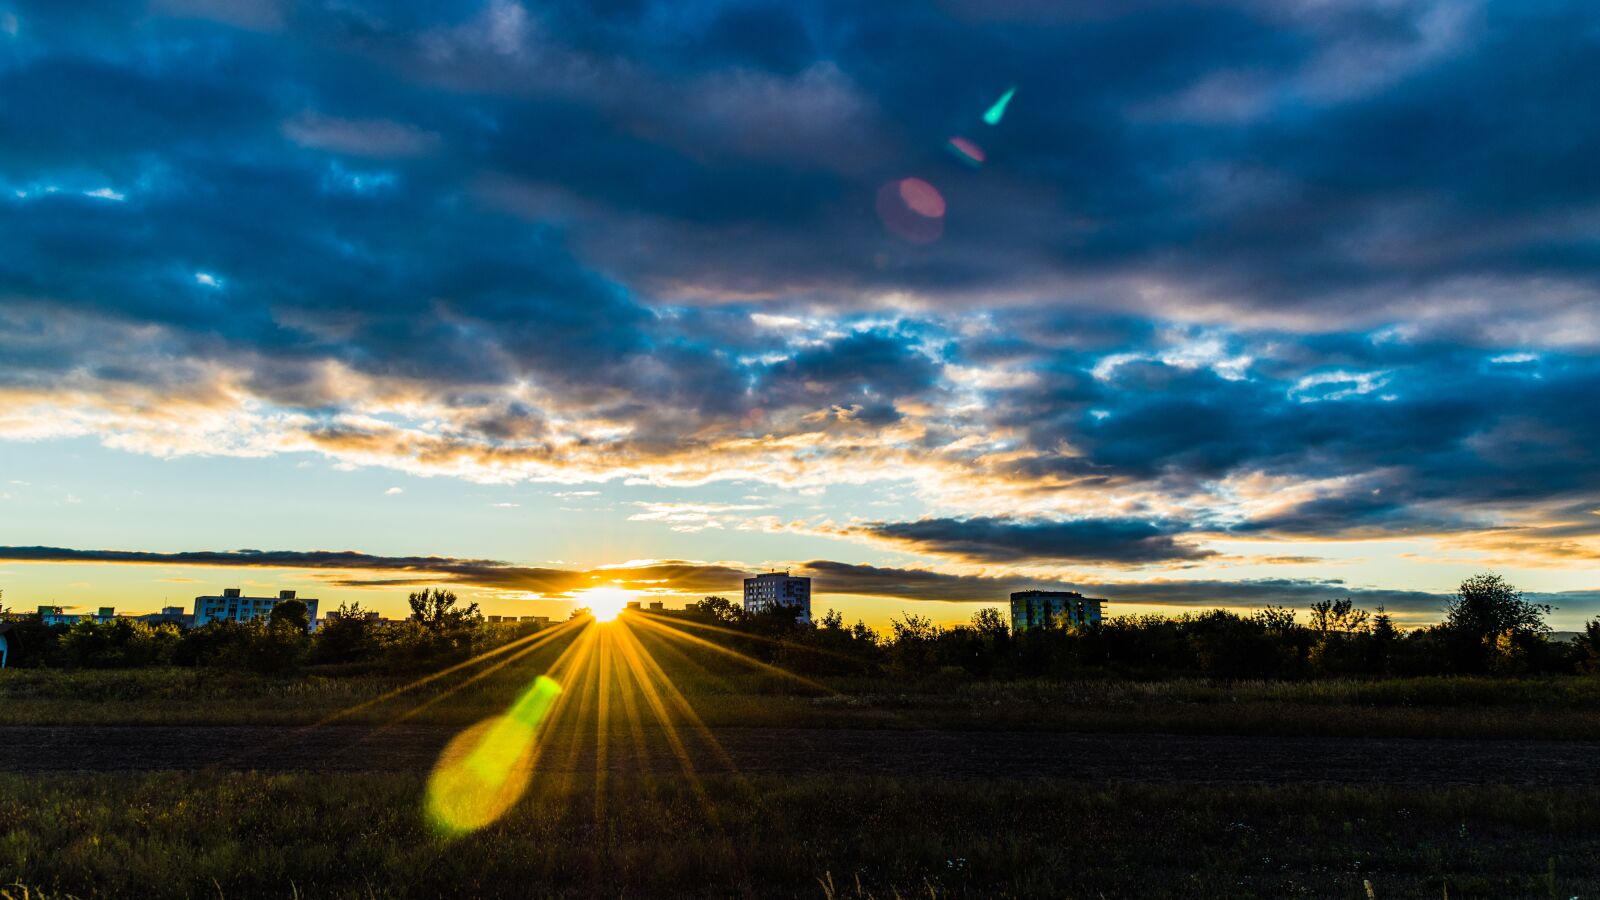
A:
(1337, 617)
(116, 644)
(346, 636)
(912, 645)
(1489, 624)
(990, 621)
(435, 609)
(1383, 626)
(1591, 647)
(275, 648)
(290, 614)
(718, 609)
(1487, 605)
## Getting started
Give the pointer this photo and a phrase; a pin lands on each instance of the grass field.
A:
(365, 836)
(1550, 708)
(593, 825)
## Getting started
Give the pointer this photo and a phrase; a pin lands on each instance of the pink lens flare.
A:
(966, 151)
(913, 209)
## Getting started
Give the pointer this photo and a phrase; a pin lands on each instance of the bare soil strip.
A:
(1152, 758)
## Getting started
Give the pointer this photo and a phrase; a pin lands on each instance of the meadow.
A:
(363, 836)
(1552, 708)
(684, 768)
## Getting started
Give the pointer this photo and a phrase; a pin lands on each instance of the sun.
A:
(606, 603)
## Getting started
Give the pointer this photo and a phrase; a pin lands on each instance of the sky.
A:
(1233, 303)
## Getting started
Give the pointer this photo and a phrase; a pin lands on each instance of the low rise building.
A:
(1053, 609)
(58, 615)
(169, 615)
(233, 606)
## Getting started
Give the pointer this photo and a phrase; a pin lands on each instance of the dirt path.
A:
(1118, 757)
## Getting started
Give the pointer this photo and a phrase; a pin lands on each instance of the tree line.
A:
(438, 631)
(1489, 628)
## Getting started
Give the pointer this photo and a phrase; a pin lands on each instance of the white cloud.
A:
(1337, 385)
(691, 517)
(394, 491)
(508, 26)
(378, 138)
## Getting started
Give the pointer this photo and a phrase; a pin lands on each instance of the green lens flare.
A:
(998, 110)
(486, 768)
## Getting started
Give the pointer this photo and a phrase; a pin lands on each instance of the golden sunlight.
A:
(606, 603)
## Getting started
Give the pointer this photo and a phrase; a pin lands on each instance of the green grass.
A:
(247, 835)
(1555, 707)
(243, 834)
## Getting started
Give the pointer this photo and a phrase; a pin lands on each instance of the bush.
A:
(117, 644)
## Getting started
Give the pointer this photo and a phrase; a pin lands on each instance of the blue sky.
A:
(1239, 303)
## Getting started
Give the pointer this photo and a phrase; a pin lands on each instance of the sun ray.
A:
(676, 696)
(486, 769)
(748, 660)
(464, 683)
(602, 730)
(658, 643)
(555, 792)
(542, 635)
(703, 626)
(642, 667)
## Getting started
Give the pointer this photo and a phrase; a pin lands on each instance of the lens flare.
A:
(913, 209)
(485, 769)
(997, 112)
(966, 151)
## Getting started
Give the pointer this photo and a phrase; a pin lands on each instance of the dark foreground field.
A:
(362, 835)
(667, 774)
(1146, 758)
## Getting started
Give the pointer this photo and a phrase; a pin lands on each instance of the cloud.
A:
(1245, 278)
(692, 517)
(354, 569)
(990, 539)
(378, 138)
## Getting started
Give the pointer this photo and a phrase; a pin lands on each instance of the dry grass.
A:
(1462, 707)
(364, 836)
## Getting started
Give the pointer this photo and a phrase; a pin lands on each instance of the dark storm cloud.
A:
(985, 539)
(407, 570)
(1424, 437)
(1368, 153)
(920, 584)
(520, 214)
(873, 368)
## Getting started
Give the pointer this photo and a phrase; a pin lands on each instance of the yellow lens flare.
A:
(485, 769)
(604, 603)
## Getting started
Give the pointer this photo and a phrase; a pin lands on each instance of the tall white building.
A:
(763, 592)
(232, 606)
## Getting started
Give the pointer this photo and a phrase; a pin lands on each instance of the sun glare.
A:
(606, 603)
